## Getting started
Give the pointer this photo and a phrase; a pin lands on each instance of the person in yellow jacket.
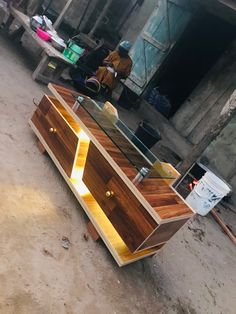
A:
(117, 65)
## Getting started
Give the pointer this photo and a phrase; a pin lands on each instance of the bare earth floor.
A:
(194, 273)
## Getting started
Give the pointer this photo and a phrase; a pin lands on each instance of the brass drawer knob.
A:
(52, 130)
(109, 194)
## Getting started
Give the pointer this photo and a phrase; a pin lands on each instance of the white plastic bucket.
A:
(207, 193)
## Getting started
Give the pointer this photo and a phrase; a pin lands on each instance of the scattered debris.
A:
(65, 242)
(47, 253)
(86, 237)
(198, 234)
(211, 293)
(90, 288)
(66, 213)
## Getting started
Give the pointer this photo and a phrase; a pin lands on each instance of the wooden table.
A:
(99, 163)
(51, 58)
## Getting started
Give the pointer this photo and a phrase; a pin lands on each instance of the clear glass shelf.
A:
(124, 138)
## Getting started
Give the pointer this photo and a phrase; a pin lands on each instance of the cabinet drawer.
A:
(123, 209)
(57, 133)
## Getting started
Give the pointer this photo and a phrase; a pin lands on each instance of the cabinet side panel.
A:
(163, 233)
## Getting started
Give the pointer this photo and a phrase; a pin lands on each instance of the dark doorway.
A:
(202, 43)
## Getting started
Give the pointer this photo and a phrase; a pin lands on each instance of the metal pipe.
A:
(223, 226)
(82, 17)
(127, 15)
(103, 13)
(61, 16)
(47, 7)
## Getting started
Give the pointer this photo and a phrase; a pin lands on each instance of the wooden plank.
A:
(60, 17)
(99, 19)
(225, 116)
(41, 67)
(167, 171)
(223, 226)
(162, 200)
(130, 219)
(172, 211)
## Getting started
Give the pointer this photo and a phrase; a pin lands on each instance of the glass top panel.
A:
(124, 138)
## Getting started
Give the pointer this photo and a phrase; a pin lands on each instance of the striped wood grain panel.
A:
(113, 241)
(63, 142)
(127, 215)
(171, 207)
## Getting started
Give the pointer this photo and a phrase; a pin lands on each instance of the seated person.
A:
(117, 65)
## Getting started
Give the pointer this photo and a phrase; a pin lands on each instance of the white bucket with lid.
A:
(207, 193)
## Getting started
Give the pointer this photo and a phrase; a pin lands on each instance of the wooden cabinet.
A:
(136, 226)
(120, 205)
(133, 221)
(56, 132)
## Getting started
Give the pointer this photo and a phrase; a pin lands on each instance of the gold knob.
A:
(109, 194)
(52, 130)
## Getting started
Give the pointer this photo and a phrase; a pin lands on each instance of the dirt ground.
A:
(194, 273)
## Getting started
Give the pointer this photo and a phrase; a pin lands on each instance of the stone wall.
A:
(200, 111)
(206, 101)
(220, 156)
(138, 19)
(133, 24)
(75, 11)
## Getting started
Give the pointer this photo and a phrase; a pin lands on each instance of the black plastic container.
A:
(128, 99)
(147, 135)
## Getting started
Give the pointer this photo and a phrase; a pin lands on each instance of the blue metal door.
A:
(157, 38)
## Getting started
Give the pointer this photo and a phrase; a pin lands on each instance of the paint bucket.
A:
(207, 193)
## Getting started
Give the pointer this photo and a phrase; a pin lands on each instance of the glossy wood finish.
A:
(166, 205)
(57, 133)
(133, 221)
(68, 97)
(107, 232)
(127, 215)
(149, 186)
(165, 201)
